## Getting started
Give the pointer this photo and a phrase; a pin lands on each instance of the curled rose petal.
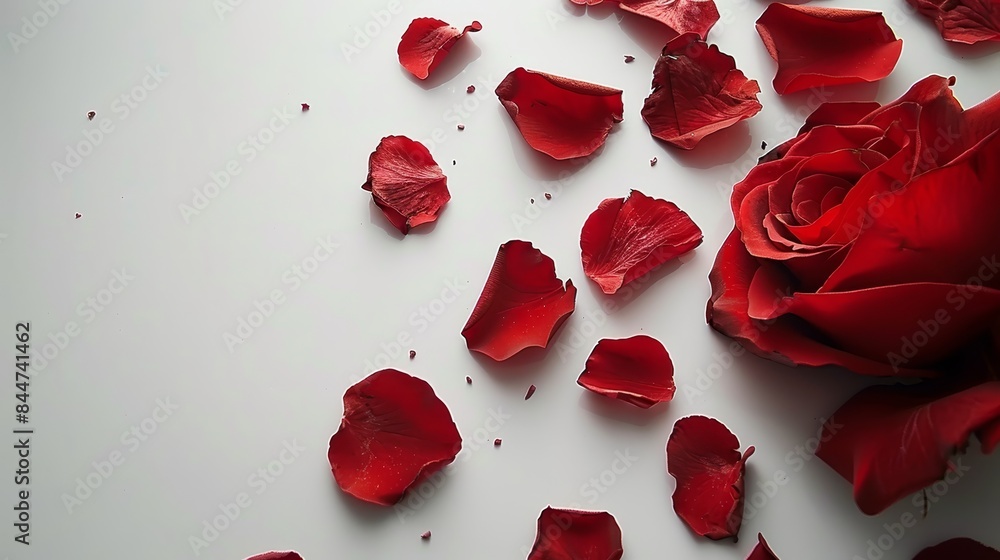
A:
(958, 548)
(567, 534)
(276, 556)
(817, 46)
(426, 42)
(522, 305)
(682, 16)
(626, 238)
(916, 433)
(395, 433)
(697, 90)
(703, 455)
(762, 551)
(560, 117)
(636, 370)
(963, 21)
(406, 183)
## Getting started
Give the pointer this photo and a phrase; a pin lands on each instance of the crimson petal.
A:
(917, 433)
(817, 47)
(961, 547)
(703, 455)
(406, 183)
(762, 551)
(522, 305)
(963, 21)
(560, 117)
(697, 90)
(426, 42)
(276, 556)
(625, 238)
(395, 433)
(568, 534)
(636, 370)
(681, 16)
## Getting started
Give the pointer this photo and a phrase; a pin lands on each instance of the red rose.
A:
(872, 241)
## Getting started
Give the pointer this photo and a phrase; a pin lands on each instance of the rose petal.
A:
(681, 16)
(626, 238)
(426, 42)
(703, 455)
(761, 551)
(636, 370)
(817, 47)
(395, 433)
(522, 305)
(961, 547)
(276, 556)
(918, 431)
(560, 117)
(586, 2)
(697, 90)
(567, 534)
(406, 183)
(963, 21)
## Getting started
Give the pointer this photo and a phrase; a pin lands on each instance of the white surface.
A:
(162, 336)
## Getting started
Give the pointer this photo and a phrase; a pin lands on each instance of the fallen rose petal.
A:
(426, 42)
(816, 46)
(522, 304)
(276, 556)
(697, 90)
(891, 441)
(406, 183)
(567, 534)
(681, 16)
(963, 21)
(637, 370)
(626, 238)
(761, 551)
(703, 455)
(960, 548)
(560, 117)
(395, 433)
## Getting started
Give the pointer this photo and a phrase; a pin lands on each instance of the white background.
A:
(162, 336)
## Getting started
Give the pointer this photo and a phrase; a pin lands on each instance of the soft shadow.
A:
(650, 35)
(541, 166)
(367, 514)
(620, 411)
(461, 55)
(979, 50)
(378, 218)
(634, 289)
(802, 103)
(600, 11)
(722, 147)
(513, 371)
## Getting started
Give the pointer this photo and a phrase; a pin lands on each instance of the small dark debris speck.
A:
(468, 380)
(305, 107)
(629, 58)
(78, 215)
(413, 354)
(91, 115)
(470, 89)
(531, 391)
(652, 162)
(497, 442)
(548, 196)
(763, 145)
(426, 535)
(461, 126)
(532, 200)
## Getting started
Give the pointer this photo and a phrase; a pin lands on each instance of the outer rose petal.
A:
(682, 16)
(963, 21)
(395, 432)
(276, 556)
(567, 534)
(523, 304)
(891, 441)
(426, 42)
(762, 551)
(636, 370)
(625, 238)
(816, 46)
(703, 455)
(560, 117)
(406, 183)
(958, 548)
(697, 90)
